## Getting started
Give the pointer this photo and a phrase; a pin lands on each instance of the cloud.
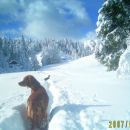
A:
(74, 8)
(48, 18)
(11, 8)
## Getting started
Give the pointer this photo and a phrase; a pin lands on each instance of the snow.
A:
(83, 96)
(124, 65)
(123, 70)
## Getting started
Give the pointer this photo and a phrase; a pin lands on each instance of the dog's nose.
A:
(19, 83)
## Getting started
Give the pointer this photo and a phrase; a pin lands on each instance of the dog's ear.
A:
(28, 80)
(34, 82)
(31, 81)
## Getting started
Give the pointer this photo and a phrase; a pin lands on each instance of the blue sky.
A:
(48, 18)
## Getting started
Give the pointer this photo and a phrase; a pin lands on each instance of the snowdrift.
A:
(124, 64)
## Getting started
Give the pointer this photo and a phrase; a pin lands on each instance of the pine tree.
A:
(113, 27)
(24, 54)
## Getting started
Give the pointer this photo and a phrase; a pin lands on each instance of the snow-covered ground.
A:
(83, 96)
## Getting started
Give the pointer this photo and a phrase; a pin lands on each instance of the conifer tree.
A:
(113, 27)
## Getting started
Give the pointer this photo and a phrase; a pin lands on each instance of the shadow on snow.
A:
(74, 108)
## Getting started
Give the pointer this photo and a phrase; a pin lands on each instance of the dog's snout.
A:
(21, 83)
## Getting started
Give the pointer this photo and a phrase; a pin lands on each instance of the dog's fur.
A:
(37, 104)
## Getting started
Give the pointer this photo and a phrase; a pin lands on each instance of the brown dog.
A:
(37, 104)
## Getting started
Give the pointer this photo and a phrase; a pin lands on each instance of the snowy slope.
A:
(83, 96)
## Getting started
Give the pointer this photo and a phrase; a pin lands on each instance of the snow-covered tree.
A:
(113, 27)
(3, 55)
(24, 54)
(50, 54)
(34, 62)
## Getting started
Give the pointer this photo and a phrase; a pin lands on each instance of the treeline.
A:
(27, 54)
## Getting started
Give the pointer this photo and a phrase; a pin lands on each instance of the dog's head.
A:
(29, 81)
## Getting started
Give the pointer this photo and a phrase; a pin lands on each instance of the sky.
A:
(40, 19)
